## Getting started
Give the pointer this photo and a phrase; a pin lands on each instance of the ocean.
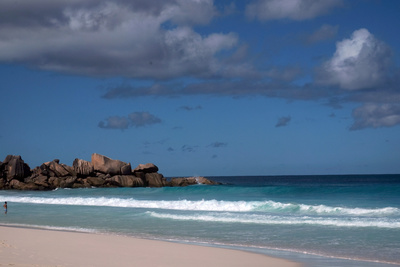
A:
(329, 220)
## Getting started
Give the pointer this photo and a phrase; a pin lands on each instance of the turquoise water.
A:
(318, 220)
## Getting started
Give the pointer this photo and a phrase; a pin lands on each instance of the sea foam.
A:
(280, 220)
(212, 205)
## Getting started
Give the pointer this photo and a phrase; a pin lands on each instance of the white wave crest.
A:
(199, 205)
(279, 220)
(327, 210)
(211, 205)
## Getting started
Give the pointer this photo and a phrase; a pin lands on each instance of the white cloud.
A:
(115, 122)
(375, 116)
(191, 53)
(359, 62)
(140, 119)
(135, 39)
(291, 9)
(191, 12)
(135, 119)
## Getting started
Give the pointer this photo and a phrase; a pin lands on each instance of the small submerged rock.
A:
(185, 181)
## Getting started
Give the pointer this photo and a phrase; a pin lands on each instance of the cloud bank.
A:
(359, 62)
(135, 119)
(160, 41)
(137, 39)
(375, 116)
(290, 9)
(363, 66)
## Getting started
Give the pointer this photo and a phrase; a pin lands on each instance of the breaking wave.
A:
(212, 205)
(280, 220)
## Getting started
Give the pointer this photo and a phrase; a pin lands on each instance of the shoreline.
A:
(292, 257)
(23, 246)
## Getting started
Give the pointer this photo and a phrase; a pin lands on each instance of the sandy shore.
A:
(36, 247)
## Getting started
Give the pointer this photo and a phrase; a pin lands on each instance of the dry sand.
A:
(36, 247)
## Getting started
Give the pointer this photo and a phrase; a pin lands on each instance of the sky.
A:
(202, 87)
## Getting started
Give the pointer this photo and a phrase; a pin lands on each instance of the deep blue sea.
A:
(345, 220)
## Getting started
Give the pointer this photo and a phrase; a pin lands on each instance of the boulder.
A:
(33, 186)
(53, 169)
(59, 170)
(100, 172)
(15, 184)
(41, 181)
(203, 180)
(126, 181)
(37, 171)
(146, 168)
(83, 168)
(190, 181)
(182, 182)
(95, 181)
(13, 167)
(54, 182)
(106, 165)
(78, 185)
(141, 175)
(126, 169)
(67, 182)
(155, 180)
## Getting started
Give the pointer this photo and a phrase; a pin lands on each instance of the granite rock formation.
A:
(100, 172)
(83, 168)
(106, 165)
(13, 167)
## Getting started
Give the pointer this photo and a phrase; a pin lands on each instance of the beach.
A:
(37, 247)
(336, 221)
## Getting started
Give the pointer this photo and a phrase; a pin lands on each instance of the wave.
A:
(327, 210)
(49, 227)
(279, 220)
(211, 205)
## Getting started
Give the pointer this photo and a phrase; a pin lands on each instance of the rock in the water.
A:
(54, 169)
(54, 182)
(155, 180)
(181, 182)
(146, 168)
(95, 181)
(13, 167)
(15, 184)
(185, 181)
(67, 182)
(126, 181)
(101, 172)
(41, 181)
(83, 168)
(106, 165)
(203, 180)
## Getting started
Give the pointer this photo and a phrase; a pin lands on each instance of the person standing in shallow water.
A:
(5, 207)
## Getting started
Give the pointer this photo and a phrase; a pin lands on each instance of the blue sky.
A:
(203, 87)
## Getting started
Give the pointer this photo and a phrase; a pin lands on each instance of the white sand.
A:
(35, 247)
